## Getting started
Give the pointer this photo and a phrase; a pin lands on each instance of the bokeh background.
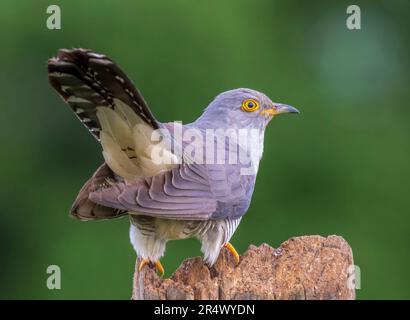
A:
(342, 167)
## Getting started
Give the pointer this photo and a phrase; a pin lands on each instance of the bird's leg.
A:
(233, 251)
(157, 265)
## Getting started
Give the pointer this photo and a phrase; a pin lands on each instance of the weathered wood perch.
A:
(308, 267)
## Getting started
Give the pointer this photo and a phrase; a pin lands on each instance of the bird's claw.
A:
(233, 251)
(159, 267)
(157, 264)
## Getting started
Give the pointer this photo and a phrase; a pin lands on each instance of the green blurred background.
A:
(342, 167)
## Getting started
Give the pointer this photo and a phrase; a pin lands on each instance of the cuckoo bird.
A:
(182, 195)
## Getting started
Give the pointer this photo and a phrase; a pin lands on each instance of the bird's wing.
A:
(189, 191)
(186, 192)
(85, 209)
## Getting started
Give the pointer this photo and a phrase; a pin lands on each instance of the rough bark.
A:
(307, 267)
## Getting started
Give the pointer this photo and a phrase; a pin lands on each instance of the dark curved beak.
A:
(284, 108)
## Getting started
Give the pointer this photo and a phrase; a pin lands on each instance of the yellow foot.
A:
(233, 251)
(142, 264)
(157, 265)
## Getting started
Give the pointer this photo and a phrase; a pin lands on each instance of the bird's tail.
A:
(109, 105)
(105, 100)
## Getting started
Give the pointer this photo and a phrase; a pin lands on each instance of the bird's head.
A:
(243, 108)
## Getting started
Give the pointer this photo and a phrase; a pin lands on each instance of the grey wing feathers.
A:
(180, 193)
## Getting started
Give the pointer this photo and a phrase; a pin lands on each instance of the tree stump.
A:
(307, 267)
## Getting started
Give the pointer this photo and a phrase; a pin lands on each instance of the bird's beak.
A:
(283, 108)
(279, 108)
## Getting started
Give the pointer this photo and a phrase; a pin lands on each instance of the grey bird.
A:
(181, 196)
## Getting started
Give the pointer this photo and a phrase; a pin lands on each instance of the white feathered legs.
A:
(149, 236)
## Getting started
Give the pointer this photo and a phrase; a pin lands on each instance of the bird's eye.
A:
(250, 105)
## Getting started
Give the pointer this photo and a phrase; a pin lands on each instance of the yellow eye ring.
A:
(250, 105)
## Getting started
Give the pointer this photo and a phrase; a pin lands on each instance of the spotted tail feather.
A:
(89, 82)
(85, 80)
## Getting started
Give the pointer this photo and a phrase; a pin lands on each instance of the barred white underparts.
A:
(149, 235)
